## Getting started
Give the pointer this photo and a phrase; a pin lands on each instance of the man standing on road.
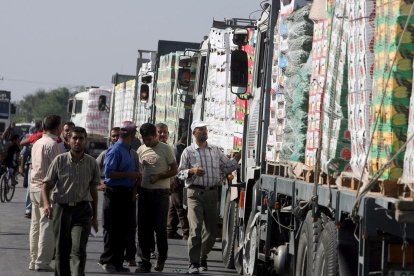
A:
(74, 177)
(67, 127)
(158, 163)
(41, 229)
(131, 247)
(176, 210)
(202, 167)
(121, 176)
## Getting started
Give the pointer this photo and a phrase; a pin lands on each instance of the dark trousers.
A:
(177, 213)
(152, 217)
(71, 227)
(118, 219)
(131, 241)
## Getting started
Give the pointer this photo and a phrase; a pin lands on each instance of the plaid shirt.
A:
(211, 159)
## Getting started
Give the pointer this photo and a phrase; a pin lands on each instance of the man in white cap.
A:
(121, 176)
(202, 166)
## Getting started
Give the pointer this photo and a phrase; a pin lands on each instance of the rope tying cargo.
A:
(386, 165)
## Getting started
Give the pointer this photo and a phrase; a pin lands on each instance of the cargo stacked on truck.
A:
(326, 183)
(6, 109)
(90, 109)
(154, 94)
(214, 103)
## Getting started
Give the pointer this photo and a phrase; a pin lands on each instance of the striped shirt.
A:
(71, 180)
(44, 151)
(211, 159)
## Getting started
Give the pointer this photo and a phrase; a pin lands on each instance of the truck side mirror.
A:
(70, 106)
(184, 61)
(239, 72)
(146, 79)
(144, 93)
(184, 76)
(102, 103)
(12, 109)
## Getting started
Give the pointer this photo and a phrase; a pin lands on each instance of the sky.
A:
(45, 44)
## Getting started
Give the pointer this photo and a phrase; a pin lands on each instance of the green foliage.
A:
(41, 104)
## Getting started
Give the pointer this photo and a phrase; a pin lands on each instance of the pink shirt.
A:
(43, 152)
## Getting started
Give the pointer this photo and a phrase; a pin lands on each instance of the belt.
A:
(205, 188)
(72, 204)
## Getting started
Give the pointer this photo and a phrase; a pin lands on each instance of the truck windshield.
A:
(78, 106)
(4, 110)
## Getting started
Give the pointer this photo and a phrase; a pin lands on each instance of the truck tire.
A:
(307, 245)
(238, 249)
(250, 251)
(326, 262)
(229, 231)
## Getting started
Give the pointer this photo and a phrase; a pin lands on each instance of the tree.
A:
(43, 103)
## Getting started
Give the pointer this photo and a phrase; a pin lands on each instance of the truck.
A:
(152, 94)
(325, 128)
(317, 95)
(89, 109)
(6, 109)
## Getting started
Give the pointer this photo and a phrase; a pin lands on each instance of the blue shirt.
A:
(119, 159)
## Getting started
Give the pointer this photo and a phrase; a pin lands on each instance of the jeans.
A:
(28, 200)
(118, 219)
(71, 226)
(177, 213)
(131, 240)
(152, 217)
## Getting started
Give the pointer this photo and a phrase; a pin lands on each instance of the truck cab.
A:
(90, 109)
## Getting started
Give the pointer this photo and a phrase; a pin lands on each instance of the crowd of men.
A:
(62, 200)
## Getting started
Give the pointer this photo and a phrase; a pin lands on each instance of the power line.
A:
(36, 82)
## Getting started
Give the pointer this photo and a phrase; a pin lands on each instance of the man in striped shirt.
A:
(74, 177)
(41, 233)
(203, 167)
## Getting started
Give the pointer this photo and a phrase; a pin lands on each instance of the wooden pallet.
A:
(278, 169)
(390, 188)
(325, 179)
(348, 181)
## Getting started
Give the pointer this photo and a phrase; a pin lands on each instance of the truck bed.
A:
(376, 212)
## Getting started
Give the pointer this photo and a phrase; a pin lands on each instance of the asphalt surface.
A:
(14, 246)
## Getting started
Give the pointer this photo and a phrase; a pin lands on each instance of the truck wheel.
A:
(250, 251)
(229, 232)
(306, 251)
(326, 262)
(238, 249)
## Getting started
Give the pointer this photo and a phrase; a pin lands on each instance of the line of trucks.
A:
(317, 95)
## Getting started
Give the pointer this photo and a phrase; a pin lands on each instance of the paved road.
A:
(14, 246)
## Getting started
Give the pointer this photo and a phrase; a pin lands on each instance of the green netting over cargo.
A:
(297, 85)
(169, 106)
(336, 143)
(390, 116)
(296, 112)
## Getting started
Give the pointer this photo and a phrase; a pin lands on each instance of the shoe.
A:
(203, 265)
(46, 268)
(108, 268)
(132, 263)
(153, 255)
(193, 269)
(31, 266)
(28, 215)
(175, 236)
(122, 269)
(185, 237)
(143, 267)
(159, 266)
